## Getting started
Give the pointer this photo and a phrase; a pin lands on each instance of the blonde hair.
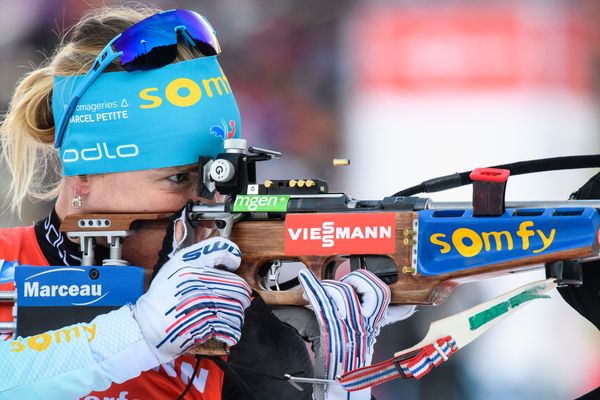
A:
(27, 131)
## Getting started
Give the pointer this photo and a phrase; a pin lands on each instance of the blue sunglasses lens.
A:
(201, 31)
(152, 43)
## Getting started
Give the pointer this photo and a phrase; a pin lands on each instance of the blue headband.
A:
(129, 121)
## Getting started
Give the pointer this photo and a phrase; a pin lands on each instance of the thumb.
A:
(179, 231)
(183, 232)
(375, 294)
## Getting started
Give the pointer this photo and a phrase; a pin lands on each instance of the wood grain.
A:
(118, 222)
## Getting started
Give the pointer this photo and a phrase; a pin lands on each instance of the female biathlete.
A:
(96, 115)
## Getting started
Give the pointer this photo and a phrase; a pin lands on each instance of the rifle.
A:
(422, 249)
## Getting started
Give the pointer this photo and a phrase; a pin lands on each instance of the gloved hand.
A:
(190, 301)
(349, 314)
(180, 234)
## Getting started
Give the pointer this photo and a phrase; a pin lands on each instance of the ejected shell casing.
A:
(408, 270)
(341, 162)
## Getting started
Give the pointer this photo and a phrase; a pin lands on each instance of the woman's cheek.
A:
(141, 249)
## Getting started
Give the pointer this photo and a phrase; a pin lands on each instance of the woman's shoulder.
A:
(19, 244)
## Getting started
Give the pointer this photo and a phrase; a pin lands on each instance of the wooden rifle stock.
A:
(262, 242)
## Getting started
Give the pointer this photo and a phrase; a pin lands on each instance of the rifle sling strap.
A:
(445, 339)
(415, 364)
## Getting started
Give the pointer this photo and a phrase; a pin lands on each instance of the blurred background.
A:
(408, 90)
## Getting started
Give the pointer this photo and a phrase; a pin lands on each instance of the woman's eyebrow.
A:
(176, 170)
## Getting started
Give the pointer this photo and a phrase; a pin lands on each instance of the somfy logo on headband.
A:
(185, 92)
(100, 151)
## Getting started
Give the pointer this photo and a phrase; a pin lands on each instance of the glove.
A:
(180, 234)
(190, 301)
(349, 314)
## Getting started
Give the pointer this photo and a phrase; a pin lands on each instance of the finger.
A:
(186, 322)
(375, 295)
(226, 284)
(399, 312)
(316, 295)
(206, 321)
(179, 231)
(214, 328)
(228, 256)
(227, 335)
(179, 235)
(200, 289)
(231, 317)
(183, 235)
(333, 330)
(351, 322)
(322, 306)
(212, 285)
(205, 333)
(345, 299)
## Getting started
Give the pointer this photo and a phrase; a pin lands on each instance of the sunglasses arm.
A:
(106, 57)
(182, 30)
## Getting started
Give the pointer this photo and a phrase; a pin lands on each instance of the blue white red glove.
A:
(350, 313)
(190, 301)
